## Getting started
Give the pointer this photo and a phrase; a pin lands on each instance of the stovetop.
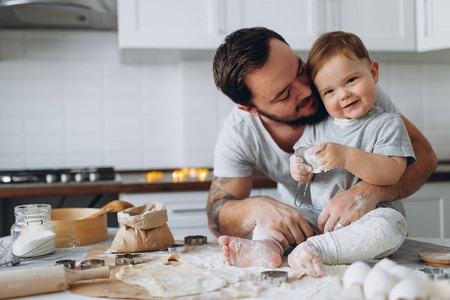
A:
(88, 174)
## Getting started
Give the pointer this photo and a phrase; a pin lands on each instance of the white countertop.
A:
(81, 252)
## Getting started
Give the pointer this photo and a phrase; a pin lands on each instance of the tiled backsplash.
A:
(66, 100)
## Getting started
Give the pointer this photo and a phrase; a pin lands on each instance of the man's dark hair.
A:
(243, 52)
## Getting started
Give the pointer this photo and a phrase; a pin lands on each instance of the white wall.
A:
(66, 100)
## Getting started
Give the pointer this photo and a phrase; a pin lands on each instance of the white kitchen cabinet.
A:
(384, 25)
(433, 24)
(428, 211)
(203, 24)
(170, 24)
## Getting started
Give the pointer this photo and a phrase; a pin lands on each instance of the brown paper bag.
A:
(144, 228)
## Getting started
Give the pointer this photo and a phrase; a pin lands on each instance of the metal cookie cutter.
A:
(92, 264)
(195, 240)
(176, 248)
(273, 278)
(68, 263)
(129, 259)
(435, 273)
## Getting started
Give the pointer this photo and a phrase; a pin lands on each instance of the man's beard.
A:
(318, 116)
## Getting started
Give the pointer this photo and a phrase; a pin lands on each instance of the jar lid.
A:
(33, 209)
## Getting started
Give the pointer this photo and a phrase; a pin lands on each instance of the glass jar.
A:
(33, 233)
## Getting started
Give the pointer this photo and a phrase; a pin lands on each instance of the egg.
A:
(385, 264)
(378, 282)
(355, 273)
(400, 272)
(409, 288)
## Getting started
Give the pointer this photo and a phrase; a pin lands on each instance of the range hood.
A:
(68, 14)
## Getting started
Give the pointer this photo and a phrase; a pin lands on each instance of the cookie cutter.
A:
(435, 273)
(176, 248)
(195, 240)
(129, 259)
(68, 263)
(92, 264)
(273, 278)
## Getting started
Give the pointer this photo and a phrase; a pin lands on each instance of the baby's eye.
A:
(327, 92)
(351, 80)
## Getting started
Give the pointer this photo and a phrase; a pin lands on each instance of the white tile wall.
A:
(67, 100)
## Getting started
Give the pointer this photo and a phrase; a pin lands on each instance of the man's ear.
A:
(374, 70)
(248, 109)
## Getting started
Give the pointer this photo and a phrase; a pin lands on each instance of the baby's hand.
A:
(299, 170)
(329, 155)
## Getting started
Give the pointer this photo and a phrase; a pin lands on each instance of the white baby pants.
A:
(377, 234)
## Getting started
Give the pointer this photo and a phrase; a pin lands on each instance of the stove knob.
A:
(50, 178)
(65, 177)
(79, 177)
(93, 176)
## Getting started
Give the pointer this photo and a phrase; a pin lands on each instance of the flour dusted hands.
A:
(281, 221)
(300, 171)
(330, 155)
(347, 207)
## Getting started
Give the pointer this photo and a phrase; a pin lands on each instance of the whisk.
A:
(63, 243)
(3, 249)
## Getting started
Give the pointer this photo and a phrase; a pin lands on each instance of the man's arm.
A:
(231, 212)
(351, 205)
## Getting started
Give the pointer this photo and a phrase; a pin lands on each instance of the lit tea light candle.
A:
(153, 175)
(202, 174)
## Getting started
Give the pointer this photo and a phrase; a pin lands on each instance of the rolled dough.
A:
(175, 280)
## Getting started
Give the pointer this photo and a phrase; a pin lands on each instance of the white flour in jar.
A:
(34, 244)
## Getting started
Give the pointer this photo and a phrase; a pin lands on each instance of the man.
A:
(275, 98)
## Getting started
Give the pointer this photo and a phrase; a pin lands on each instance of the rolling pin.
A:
(27, 282)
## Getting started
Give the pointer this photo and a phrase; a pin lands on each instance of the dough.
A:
(174, 280)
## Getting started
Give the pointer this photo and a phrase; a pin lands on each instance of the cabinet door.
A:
(170, 24)
(298, 21)
(428, 211)
(383, 25)
(433, 24)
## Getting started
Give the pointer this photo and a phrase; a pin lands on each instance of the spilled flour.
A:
(229, 282)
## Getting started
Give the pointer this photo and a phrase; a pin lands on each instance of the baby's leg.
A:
(250, 253)
(377, 234)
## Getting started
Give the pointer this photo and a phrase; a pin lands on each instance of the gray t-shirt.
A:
(377, 132)
(244, 143)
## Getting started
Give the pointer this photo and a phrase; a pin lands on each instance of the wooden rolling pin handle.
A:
(28, 282)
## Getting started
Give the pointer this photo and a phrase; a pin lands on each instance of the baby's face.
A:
(347, 86)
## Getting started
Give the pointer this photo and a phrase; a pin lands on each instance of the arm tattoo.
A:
(218, 196)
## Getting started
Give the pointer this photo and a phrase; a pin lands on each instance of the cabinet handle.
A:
(426, 18)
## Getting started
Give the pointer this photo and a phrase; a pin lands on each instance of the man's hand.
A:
(231, 212)
(281, 221)
(345, 208)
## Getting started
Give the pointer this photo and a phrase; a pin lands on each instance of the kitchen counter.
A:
(306, 288)
(125, 182)
(135, 182)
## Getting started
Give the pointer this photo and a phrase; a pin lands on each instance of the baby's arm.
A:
(373, 168)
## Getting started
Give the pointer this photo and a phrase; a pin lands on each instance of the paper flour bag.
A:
(144, 229)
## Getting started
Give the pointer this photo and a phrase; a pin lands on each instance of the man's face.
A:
(282, 91)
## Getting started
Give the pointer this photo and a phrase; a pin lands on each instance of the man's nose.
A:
(303, 87)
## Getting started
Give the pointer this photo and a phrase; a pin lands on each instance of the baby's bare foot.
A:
(248, 253)
(305, 258)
